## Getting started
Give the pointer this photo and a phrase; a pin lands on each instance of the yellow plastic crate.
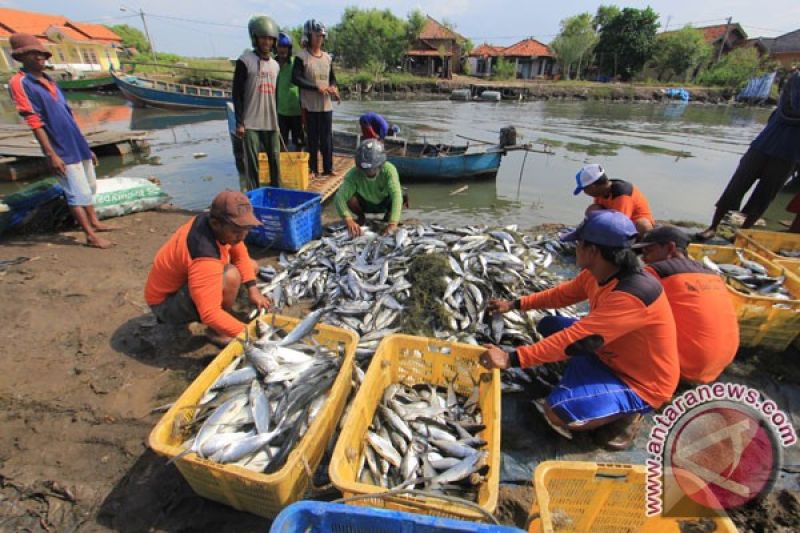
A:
(410, 360)
(764, 322)
(791, 265)
(245, 490)
(767, 243)
(583, 497)
(294, 170)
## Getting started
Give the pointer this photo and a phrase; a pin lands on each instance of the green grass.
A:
(351, 77)
(650, 149)
(552, 142)
(593, 149)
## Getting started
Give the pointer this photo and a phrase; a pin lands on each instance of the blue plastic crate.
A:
(290, 218)
(319, 517)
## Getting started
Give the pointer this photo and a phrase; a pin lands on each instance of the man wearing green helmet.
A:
(254, 82)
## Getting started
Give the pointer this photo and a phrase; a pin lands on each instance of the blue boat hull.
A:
(172, 100)
(454, 167)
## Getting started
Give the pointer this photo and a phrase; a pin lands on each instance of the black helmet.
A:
(261, 26)
(313, 25)
(370, 155)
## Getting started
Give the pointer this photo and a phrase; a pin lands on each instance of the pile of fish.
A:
(786, 252)
(261, 405)
(751, 277)
(425, 437)
(364, 281)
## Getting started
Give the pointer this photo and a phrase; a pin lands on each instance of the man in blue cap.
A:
(622, 358)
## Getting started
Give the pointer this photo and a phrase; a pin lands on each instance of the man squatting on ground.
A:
(614, 194)
(371, 186)
(197, 273)
(622, 358)
(705, 319)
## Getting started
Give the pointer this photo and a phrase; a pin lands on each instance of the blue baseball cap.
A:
(606, 228)
(587, 175)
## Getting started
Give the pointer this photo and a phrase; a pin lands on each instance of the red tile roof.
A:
(96, 31)
(70, 33)
(712, 34)
(486, 50)
(15, 20)
(434, 30)
(527, 48)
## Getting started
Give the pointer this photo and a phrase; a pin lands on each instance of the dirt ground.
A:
(84, 366)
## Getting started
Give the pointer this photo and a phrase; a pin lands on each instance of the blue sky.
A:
(217, 27)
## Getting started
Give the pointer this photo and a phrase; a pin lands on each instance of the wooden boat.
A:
(345, 141)
(158, 93)
(426, 161)
(87, 84)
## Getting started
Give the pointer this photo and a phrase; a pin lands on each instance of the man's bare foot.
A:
(98, 242)
(104, 227)
(220, 341)
(707, 234)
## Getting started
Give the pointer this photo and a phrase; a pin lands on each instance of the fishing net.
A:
(424, 309)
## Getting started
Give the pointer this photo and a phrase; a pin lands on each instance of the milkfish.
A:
(262, 404)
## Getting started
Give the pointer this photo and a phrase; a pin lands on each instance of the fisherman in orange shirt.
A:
(197, 273)
(708, 330)
(614, 194)
(622, 358)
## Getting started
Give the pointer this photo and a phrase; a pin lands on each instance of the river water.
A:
(680, 155)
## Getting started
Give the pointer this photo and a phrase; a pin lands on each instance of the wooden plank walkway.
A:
(18, 140)
(327, 186)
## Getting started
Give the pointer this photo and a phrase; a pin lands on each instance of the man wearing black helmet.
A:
(254, 82)
(371, 186)
(289, 117)
(313, 73)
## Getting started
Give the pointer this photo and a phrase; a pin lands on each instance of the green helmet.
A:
(262, 26)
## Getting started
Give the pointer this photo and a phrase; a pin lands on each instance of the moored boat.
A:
(97, 83)
(428, 161)
(170, 95)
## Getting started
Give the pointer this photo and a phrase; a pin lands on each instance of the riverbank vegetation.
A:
(613, 44)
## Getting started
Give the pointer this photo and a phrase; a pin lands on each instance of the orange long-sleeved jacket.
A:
(629, 326)
(628, 200)
(193, 256)
(706, 322)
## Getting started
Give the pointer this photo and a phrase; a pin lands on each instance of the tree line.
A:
(612, 43)
(625, 43)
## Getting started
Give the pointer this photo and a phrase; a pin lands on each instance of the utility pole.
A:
(147, 33)
(140, 11)
(724, 39)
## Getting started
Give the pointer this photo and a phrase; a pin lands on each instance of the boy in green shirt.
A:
(371, 186)
(290, 120)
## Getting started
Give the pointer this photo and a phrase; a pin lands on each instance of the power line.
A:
(106, 19)
(196, 21)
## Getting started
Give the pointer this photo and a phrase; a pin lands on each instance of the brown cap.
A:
(234, 207)
(22, 43)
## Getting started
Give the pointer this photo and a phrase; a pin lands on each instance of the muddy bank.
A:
(531, 91)
(84, 367)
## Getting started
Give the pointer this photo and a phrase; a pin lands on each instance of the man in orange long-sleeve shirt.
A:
(197, 273)
(619, 195)
(622, 356)
(708, 330)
